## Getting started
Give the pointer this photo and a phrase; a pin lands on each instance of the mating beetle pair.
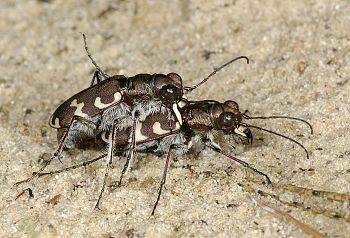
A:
(148, 113)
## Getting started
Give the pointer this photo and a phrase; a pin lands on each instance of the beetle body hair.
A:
(120, 113)
(80, 131)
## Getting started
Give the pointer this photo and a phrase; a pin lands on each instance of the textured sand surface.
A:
(300, 66)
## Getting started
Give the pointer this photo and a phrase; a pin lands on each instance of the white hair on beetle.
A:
(144, 87)
(150, 107)
(112, 114)
(80, 130)
(176, 140)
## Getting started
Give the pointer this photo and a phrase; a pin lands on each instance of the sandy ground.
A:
(300, 57)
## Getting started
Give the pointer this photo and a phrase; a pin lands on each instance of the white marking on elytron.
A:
(79, 106)
(103, 137)
(157, 129)
(177, 113)
(138, 134)
(240, 131)
(56, 124)
(117, 97)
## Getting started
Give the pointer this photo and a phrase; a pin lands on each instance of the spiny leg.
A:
(30, 192)
(162, 182)
(244, 164)
(75, 166)
(131, 150)
(111, 141)
(55, 155)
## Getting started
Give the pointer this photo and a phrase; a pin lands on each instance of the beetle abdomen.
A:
(88, 103)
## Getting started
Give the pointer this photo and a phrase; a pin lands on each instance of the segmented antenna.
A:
(280, 117)
(92, 60)
(281, 135)
(189, 89)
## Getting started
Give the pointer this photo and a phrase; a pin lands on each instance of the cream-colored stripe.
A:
(79, 106)
(101, 105)
(56, 124)
(157, 129)
(177, 113)
(103, 137)
(138, 134)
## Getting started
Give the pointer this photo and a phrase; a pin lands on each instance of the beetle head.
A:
(168, 88)
(226, 117)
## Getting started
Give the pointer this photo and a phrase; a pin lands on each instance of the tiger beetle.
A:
(112, 102)
(199, 120)
(149, 113)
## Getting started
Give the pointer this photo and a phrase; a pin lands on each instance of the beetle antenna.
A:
(189, 89)
(280, 117)
(281, 135)
(92, 60)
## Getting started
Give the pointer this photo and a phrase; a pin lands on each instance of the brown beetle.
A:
(199, 119)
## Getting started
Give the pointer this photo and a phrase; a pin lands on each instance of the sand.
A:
(300, 57)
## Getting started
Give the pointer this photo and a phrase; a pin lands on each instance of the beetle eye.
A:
(170, 90)
(227, 120)
(170, 93)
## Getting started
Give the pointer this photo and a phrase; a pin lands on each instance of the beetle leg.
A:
(75, 166)
(111, 142)
(162, 181)
(55, 155)
(30, 192)
(130, 154)
(243, 163)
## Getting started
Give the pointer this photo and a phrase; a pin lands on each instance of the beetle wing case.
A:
(89, 102)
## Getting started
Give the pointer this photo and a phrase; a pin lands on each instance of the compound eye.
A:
(169, 90)
(170, 93)
(227, 120)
